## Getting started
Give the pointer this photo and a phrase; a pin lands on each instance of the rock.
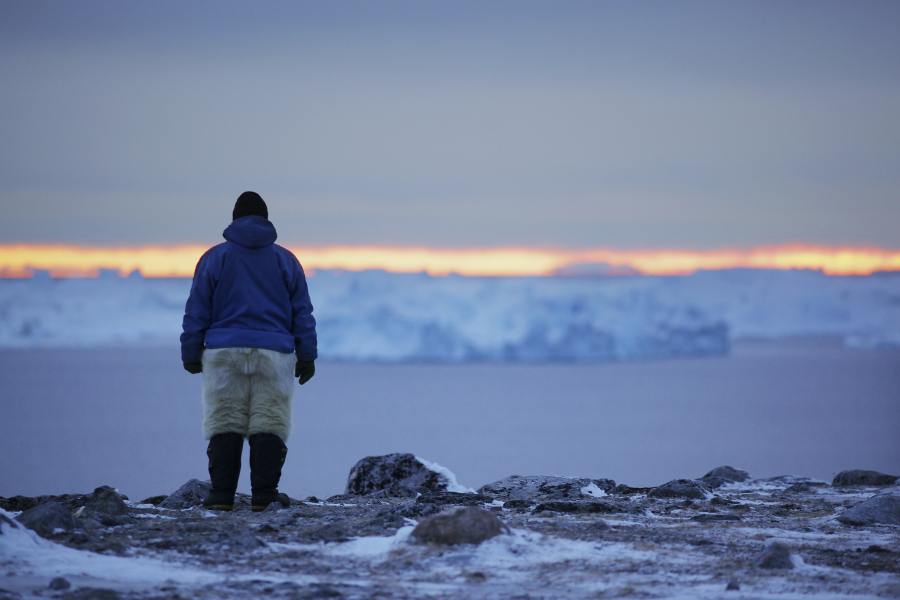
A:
(732, 586)
(190, 494)
(855, 478)
(714, 518)
(543, 487)
(441, 498)
(18, 503)
(59, 583)
(395, 491)
(577, 507)
(107, 501)
(879, 510)
(727, 472)
(628, 490)
(723, 475)
(681, 488)
(237, 539)
(414, 510)
(48, 518)
(89, 593)
(459, 525)
(154, 500)
(273, 507)
(392, 472)
(793, 480)
(774, 556)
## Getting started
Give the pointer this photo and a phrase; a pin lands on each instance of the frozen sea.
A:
(74, 419)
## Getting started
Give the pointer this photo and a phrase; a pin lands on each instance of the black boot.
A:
(224, 454)
(267, 452)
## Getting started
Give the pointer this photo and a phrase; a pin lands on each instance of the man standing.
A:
(248, 327)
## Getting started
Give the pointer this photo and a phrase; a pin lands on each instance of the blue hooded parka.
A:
(249, 292)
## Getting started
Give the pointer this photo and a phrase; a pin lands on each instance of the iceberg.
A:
(380, 316)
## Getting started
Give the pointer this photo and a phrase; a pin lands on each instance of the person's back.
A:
(248, 326)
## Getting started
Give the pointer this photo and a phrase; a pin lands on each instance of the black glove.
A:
(193, 368)
(305, 370)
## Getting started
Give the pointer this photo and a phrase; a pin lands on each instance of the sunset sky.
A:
(569, 126)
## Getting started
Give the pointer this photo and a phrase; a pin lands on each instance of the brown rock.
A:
(460, 525)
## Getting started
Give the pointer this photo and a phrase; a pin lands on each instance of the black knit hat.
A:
(249, 203)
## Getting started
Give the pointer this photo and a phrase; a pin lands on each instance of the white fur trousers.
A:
(247, 391)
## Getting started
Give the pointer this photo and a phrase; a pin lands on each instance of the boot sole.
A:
(222, 507)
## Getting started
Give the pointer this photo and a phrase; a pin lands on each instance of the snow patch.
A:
(593, 490)
(31, 554)
(452, 486)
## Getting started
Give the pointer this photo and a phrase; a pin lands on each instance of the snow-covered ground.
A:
(358, 548)
(380, 316)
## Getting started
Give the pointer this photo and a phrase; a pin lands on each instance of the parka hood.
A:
(251, 232)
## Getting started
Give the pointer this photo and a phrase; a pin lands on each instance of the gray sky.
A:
(453, 124)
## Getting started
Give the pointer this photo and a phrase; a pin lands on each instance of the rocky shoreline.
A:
(410, 536)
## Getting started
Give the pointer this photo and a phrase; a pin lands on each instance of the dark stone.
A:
(520, 504)
(45, 519)
(794, 480)
(577, 507)
(799, 488)
(106, 501)
(59, 584)
(543, 487)
(18, 503)
(154, 500)
(708, 518)
(774, 556)
(857, 478)
(237, 539)
(89, 593)
(728, 473)
(681, 488)
(879, 510)
(598, 525)
(459, 525)
(394, 491)
(628, 490)
(312, 499)
(457, 498)
(414, 510)
(732, 586)
(383, 524)
(392, 472)
(190, 494)
(333, 532)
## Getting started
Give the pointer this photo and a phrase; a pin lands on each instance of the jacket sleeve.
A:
(198, 310)
(303, 324)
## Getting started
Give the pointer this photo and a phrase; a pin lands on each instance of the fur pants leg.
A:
(247, 391)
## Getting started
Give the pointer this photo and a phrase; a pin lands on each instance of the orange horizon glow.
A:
(20, 260)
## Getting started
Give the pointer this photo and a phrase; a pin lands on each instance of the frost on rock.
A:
(48, 518)
(681, 488)
(879, 510)
(400, 475)
(543, 487)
